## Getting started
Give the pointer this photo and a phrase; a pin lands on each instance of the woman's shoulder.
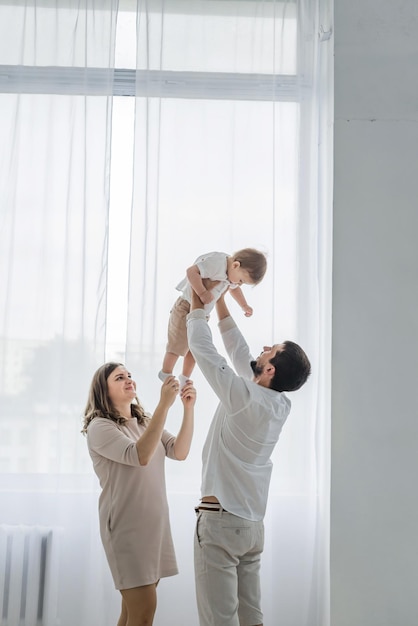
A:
(100, 422)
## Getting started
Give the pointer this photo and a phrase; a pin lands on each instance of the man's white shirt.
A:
(247, 423)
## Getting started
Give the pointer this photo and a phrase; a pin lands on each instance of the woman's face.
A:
(121, 388)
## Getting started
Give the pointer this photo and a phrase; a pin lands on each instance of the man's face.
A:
(259, 365)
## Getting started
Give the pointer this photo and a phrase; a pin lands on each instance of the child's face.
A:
(238, 276)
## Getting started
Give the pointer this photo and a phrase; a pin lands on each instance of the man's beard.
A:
(256, 369)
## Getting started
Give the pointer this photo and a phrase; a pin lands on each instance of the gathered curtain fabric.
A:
(137, 136)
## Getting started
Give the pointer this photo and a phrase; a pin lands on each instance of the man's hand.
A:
(209, 284)
(206, 297)
(196, 302)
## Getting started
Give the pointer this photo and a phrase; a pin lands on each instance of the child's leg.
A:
(176, 337)
(170, 359)
(188, 364)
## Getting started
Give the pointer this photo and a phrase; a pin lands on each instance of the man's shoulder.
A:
(271, 398)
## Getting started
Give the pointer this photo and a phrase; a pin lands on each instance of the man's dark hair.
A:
(292, 368)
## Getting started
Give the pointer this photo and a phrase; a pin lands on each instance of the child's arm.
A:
(239, 297)
(195, 279)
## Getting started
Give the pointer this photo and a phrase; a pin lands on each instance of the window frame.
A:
(148, 83)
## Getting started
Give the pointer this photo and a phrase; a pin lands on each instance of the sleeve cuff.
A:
(226, 324)
(197, 314)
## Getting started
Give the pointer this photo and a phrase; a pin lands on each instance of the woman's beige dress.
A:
(133, 507)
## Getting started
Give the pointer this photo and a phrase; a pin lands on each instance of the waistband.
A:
(209, 506)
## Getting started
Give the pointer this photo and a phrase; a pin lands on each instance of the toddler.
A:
(245, 267)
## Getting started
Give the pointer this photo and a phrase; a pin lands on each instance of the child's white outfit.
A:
(212, 265)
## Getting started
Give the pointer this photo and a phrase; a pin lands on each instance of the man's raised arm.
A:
(196, 302)
(221, 308)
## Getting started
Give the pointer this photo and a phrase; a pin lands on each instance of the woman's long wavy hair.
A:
(99, 404)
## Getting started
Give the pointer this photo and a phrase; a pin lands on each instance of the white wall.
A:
(374, 503)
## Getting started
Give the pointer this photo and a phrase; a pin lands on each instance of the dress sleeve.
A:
(105, 438)
(167, 439)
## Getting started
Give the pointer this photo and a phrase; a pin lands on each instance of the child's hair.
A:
(253, 261)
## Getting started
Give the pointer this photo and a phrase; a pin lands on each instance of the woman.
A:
(128, 448)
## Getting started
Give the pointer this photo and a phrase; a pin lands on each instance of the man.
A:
(236, 471)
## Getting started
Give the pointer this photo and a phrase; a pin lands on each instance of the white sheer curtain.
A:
(54, 189)
(181, 127)
(224, 163)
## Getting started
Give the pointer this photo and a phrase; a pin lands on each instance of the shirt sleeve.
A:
(231, 389)
(105, 438)
(236, 347)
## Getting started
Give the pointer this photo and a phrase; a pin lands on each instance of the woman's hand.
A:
(188, 395)
(185, 434)
(169, 390)
(149, 440)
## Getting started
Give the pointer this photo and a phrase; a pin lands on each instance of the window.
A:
(211, 141)
(119, 165)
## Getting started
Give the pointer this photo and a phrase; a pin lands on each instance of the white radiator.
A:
(25, 556)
